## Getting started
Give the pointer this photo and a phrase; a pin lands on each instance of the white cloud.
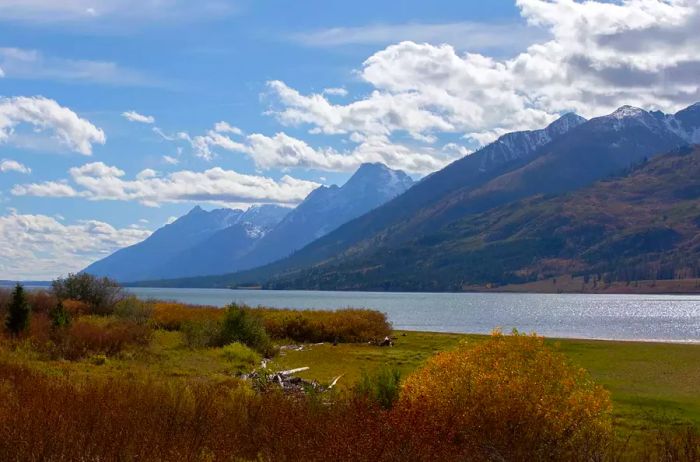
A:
(283, 151)
(463, 35)
(45, 189)
(30, 64)
(225, 127)
(133, 116)
(170, 160)
(9, 165)
(333, 91)
(47, 115)
(98, 181)
(599, 56)
(40, 247)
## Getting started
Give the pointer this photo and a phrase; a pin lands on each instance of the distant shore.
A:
(577, 285)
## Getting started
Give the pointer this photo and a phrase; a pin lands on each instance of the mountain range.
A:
(569, 155)
(226, 240)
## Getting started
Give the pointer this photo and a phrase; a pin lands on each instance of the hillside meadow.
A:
(118, 378)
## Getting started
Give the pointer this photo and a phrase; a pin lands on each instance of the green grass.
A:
(650, 383)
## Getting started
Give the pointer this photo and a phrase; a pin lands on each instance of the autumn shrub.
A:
(511, 398)
(172, 315)
(70, 418)
(40, 301)
(86, 337)
(76, 308)
(101, 295)
(346, 325)
(131, 308)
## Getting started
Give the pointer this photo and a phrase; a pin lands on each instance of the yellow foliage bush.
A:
(512, 398)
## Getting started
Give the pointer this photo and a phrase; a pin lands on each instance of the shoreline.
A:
(566, 339)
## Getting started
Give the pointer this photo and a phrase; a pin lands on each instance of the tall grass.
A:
(347, 325)
(466, 405)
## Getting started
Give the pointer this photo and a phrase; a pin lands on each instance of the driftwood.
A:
(287, 381)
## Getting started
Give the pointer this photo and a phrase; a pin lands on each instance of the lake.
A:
(621, 317)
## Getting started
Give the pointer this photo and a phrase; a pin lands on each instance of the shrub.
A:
(100, 294)
(60, 317)
(347, 325)
(133, 309)
(381, 387)
(240, 325)
(242, 357)
(76, 308)
(511, 398)
(41, 301)
(18, 312)
(87, 337)
(172, 316)
(201, 334)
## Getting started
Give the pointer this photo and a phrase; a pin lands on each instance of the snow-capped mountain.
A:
(327, 208)
(150, 258)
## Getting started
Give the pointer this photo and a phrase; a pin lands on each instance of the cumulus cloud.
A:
(284, 151)
(9, 165)
(98, 181)
(45, 114)
(54, 248)
(31, 64)
(133, 116)
(598, 56)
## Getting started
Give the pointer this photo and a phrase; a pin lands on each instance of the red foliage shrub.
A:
(172, 316)
(84, 338)
(41, 301)
(348, 325)
(75, 307)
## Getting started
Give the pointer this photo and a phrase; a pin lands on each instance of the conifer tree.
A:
(18, 313)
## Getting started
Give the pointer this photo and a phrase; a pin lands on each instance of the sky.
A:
(118, 115)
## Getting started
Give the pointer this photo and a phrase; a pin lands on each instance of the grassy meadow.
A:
(88, 373)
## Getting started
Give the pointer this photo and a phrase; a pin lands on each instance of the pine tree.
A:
(18, 314)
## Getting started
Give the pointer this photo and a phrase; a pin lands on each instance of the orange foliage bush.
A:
(172, 316)
(349, 325)
(511, 398)
(75, 307)
(84, 338)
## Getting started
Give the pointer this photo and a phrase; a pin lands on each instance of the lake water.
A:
(623, 317)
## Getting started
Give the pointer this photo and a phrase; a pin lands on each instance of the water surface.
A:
(622, 317)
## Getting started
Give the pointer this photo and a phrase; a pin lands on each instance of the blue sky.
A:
(117, 115)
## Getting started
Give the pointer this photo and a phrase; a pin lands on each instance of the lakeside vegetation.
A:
(105, 376)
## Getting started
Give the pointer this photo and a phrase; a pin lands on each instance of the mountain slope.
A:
(144, 260)
(325, 209)
(644, 225)
(219, 252)
(505, 154)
